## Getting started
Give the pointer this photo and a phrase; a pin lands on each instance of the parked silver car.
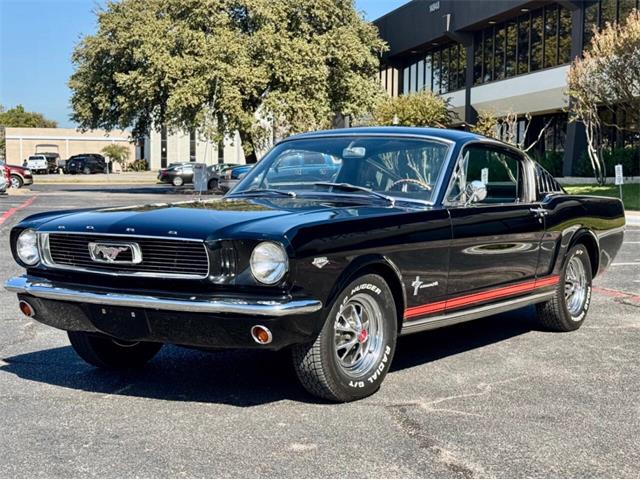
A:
(4, 179)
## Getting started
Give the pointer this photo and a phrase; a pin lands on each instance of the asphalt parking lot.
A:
(493, 398)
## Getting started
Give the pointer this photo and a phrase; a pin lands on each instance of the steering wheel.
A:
(411, 181)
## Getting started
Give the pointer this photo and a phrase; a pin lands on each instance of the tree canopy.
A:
(116, 153)
(19, 117)
(224, 66)
(420, 109)
(607, 77)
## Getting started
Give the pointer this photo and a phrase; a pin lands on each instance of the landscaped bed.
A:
(630, 193)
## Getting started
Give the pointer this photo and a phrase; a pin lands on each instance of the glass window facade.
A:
(441, 70)
(599, 12)
(536, 40)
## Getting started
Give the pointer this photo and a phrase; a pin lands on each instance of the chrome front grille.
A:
(161, 257)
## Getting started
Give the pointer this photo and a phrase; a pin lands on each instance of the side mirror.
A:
(476, 192)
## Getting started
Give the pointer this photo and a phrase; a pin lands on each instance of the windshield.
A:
(394, 166)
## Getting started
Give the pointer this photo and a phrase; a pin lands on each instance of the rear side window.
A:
(546, 184)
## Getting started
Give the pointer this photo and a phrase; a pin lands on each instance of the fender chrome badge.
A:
(418, 284)
(320, 261)
(108, 252)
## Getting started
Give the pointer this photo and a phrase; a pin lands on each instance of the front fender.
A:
(371, 263)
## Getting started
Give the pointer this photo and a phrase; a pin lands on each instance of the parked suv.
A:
(87, 164)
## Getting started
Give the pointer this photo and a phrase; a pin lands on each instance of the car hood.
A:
(216, 219)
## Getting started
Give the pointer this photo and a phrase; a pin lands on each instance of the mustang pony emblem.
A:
(108, 252)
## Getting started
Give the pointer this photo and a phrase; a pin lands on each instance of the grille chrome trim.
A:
(48, 261)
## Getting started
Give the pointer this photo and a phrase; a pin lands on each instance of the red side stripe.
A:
(424, 309)
(481, 296)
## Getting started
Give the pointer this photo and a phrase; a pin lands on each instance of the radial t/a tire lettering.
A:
(352, 354)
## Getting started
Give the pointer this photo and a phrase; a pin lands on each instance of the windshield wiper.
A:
(258, 191)
(349, 187)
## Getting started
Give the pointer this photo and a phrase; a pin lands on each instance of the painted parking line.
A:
(610, 292)
(6, 215)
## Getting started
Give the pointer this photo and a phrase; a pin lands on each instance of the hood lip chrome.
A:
(124, 235)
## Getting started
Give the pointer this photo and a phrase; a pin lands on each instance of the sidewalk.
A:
(632, 217)
(98, 178)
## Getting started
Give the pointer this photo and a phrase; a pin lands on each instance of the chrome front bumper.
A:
(42, 288)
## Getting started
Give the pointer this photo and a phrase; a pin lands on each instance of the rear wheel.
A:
(177, 181)
(16, 181)
(86, 170)
(351, 356)
(213, 184)
(106, 352)
(569, 307)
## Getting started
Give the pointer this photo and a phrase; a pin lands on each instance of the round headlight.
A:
(269, 263)
(27, 247)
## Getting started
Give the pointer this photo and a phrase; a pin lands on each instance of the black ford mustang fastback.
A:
(398, 230)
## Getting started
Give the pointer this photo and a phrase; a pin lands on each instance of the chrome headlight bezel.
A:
(26, 247)
(269, 263)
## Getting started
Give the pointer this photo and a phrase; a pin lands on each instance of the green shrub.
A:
(629, 157)
(139, 166)
(551, 162)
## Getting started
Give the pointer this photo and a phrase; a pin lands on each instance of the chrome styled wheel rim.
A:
(358, 335)
(575, 286)
(15, 183)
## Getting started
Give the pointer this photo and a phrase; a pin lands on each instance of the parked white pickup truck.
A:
(42, 163)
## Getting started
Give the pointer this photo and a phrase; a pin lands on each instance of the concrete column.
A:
(576, 141)
(470, 113)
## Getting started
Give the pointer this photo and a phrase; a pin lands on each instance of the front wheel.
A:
(352, 353)
(567, 310)
(106, 352)
(16, 181)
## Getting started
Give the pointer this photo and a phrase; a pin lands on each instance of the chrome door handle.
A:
(539, 212)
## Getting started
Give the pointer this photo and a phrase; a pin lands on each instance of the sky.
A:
(37, 38)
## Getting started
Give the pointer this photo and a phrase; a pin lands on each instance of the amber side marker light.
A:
(26, 308)
(261, 335)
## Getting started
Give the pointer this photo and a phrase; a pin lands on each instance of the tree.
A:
(19, 117)
(116, 153)
(224, 66)
(607, 77)
(420, 109)
(505, 128)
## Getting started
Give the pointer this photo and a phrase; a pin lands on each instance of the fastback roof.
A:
(453, 135)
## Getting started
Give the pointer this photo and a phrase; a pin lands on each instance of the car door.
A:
(495, 241)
